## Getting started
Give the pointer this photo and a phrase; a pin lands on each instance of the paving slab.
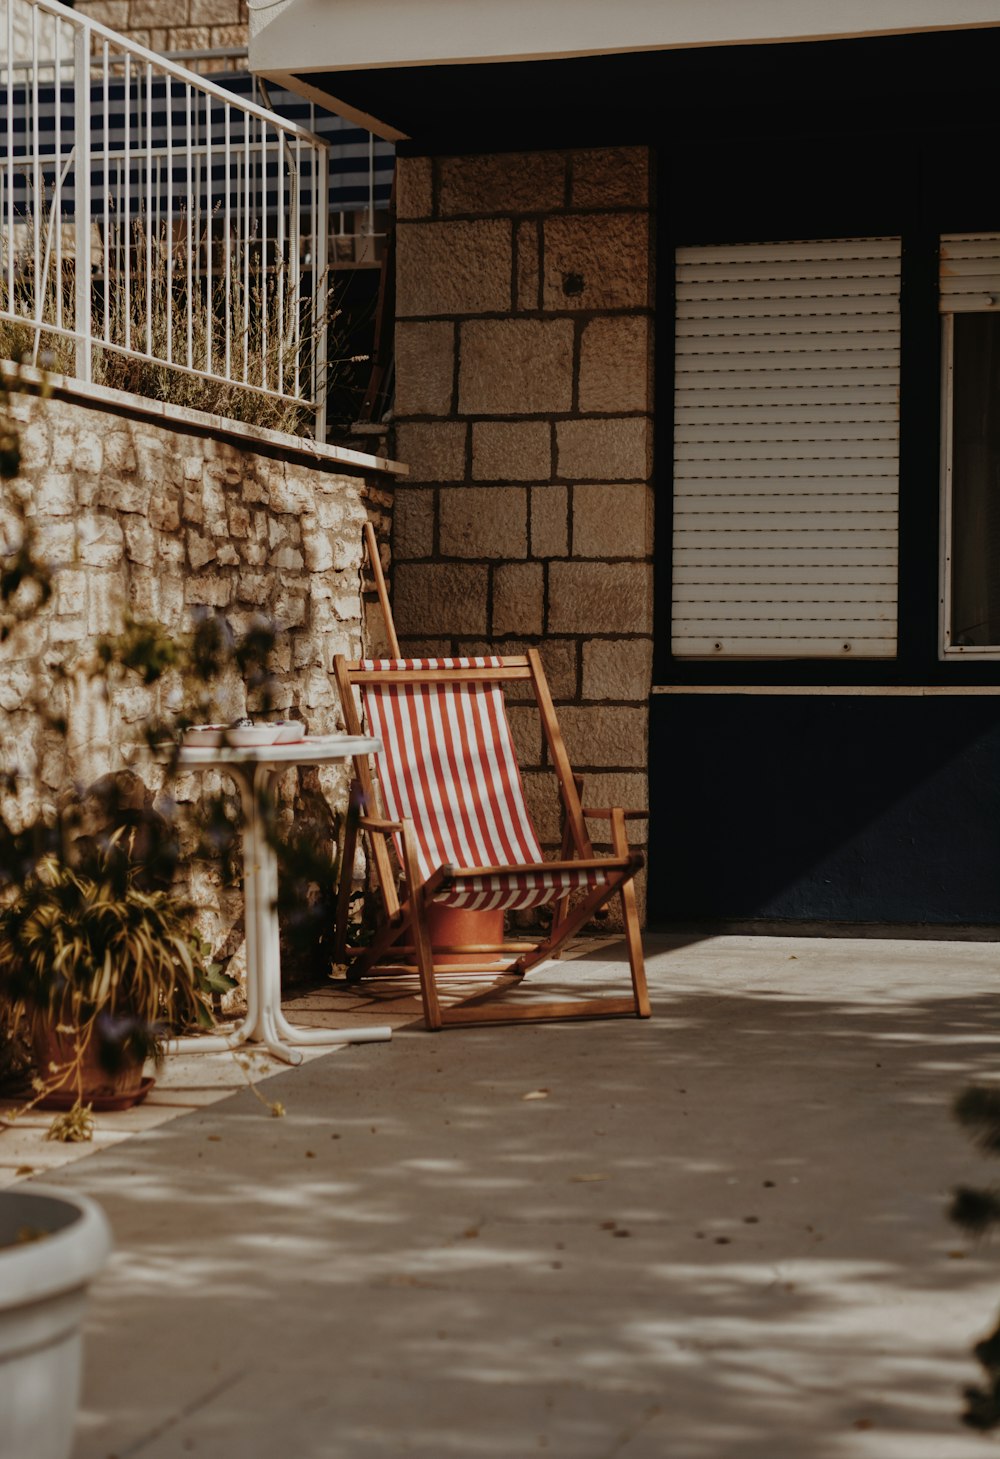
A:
(718, 1234)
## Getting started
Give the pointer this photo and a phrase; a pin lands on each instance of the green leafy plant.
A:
(94, 940)
(76, 948)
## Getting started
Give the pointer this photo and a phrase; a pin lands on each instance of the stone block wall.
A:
(523, 410)
(161, 515)
(173, 25)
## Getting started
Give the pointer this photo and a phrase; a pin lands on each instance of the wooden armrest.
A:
(590, 863)
(602, 814)
(375, 823)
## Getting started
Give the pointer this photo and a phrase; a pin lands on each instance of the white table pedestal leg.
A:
(255, 1025)
(269, 951)
(265, 1023)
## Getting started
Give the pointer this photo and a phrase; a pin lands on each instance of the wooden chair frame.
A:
(404, 931)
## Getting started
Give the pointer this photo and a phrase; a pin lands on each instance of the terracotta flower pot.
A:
(91, 1081)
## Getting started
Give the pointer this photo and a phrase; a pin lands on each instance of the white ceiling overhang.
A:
(291, 38)
(359, 34)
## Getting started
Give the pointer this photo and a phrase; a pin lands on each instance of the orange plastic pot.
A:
(464, 927)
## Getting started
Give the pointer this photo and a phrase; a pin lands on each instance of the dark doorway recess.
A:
(840, 808)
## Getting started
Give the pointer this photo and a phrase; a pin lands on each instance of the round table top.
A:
(313, 750)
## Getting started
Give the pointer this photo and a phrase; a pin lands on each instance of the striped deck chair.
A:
(453, 814)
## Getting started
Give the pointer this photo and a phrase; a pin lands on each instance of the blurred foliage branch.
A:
(88, 865)
(977, 1212)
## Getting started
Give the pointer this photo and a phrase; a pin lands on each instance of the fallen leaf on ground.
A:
(536, 1094)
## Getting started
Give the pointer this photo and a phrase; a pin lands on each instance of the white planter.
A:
(43, 1288)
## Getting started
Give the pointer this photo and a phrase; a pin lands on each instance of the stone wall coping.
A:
(66, 387)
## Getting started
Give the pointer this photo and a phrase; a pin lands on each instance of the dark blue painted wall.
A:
(846, 808)
(874, 808)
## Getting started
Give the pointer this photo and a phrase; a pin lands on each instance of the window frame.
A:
(948, 651)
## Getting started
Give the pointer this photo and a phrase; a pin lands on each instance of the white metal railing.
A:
(359, 225)
(156, 229)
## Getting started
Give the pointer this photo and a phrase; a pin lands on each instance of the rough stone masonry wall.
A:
(165, 519)
(523, 409)
(173, 25)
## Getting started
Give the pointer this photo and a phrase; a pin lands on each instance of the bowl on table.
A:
(204, 736)
(252, 736)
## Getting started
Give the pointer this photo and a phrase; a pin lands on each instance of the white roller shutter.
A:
(970, 273)
(786, 450)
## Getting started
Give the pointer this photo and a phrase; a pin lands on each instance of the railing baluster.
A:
(321, 193)
(209, 226)
(247, 195)
(194, 192)
(127, 203)
(264, 268)
(228, 241)
(38, 200)
(81, 202)
(10, 213)
(55, 218)
(169, 302)
(105, 72)
(297, 275)
(282, 261)
(150, 210)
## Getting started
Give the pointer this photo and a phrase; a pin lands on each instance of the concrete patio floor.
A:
(719, 1234)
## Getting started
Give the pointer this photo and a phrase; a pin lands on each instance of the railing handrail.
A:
(212, 53)
(170, 68)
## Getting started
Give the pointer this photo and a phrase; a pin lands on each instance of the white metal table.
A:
(254, 771)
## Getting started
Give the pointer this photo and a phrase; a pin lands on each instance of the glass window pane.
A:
(975, 564)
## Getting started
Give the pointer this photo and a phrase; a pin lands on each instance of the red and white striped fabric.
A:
(448, 765)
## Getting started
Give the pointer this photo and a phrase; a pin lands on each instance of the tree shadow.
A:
(720, 1232)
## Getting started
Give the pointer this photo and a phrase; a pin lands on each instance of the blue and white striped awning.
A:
(133, 146)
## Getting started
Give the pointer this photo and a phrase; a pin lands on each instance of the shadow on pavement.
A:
(717, 1234)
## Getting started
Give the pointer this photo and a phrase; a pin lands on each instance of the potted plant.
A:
(52, 1244)
(100, 969)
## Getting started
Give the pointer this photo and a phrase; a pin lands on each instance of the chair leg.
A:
(630, 917)
(560, 909)
(346, 874)
(580, 914)
(421, 938)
